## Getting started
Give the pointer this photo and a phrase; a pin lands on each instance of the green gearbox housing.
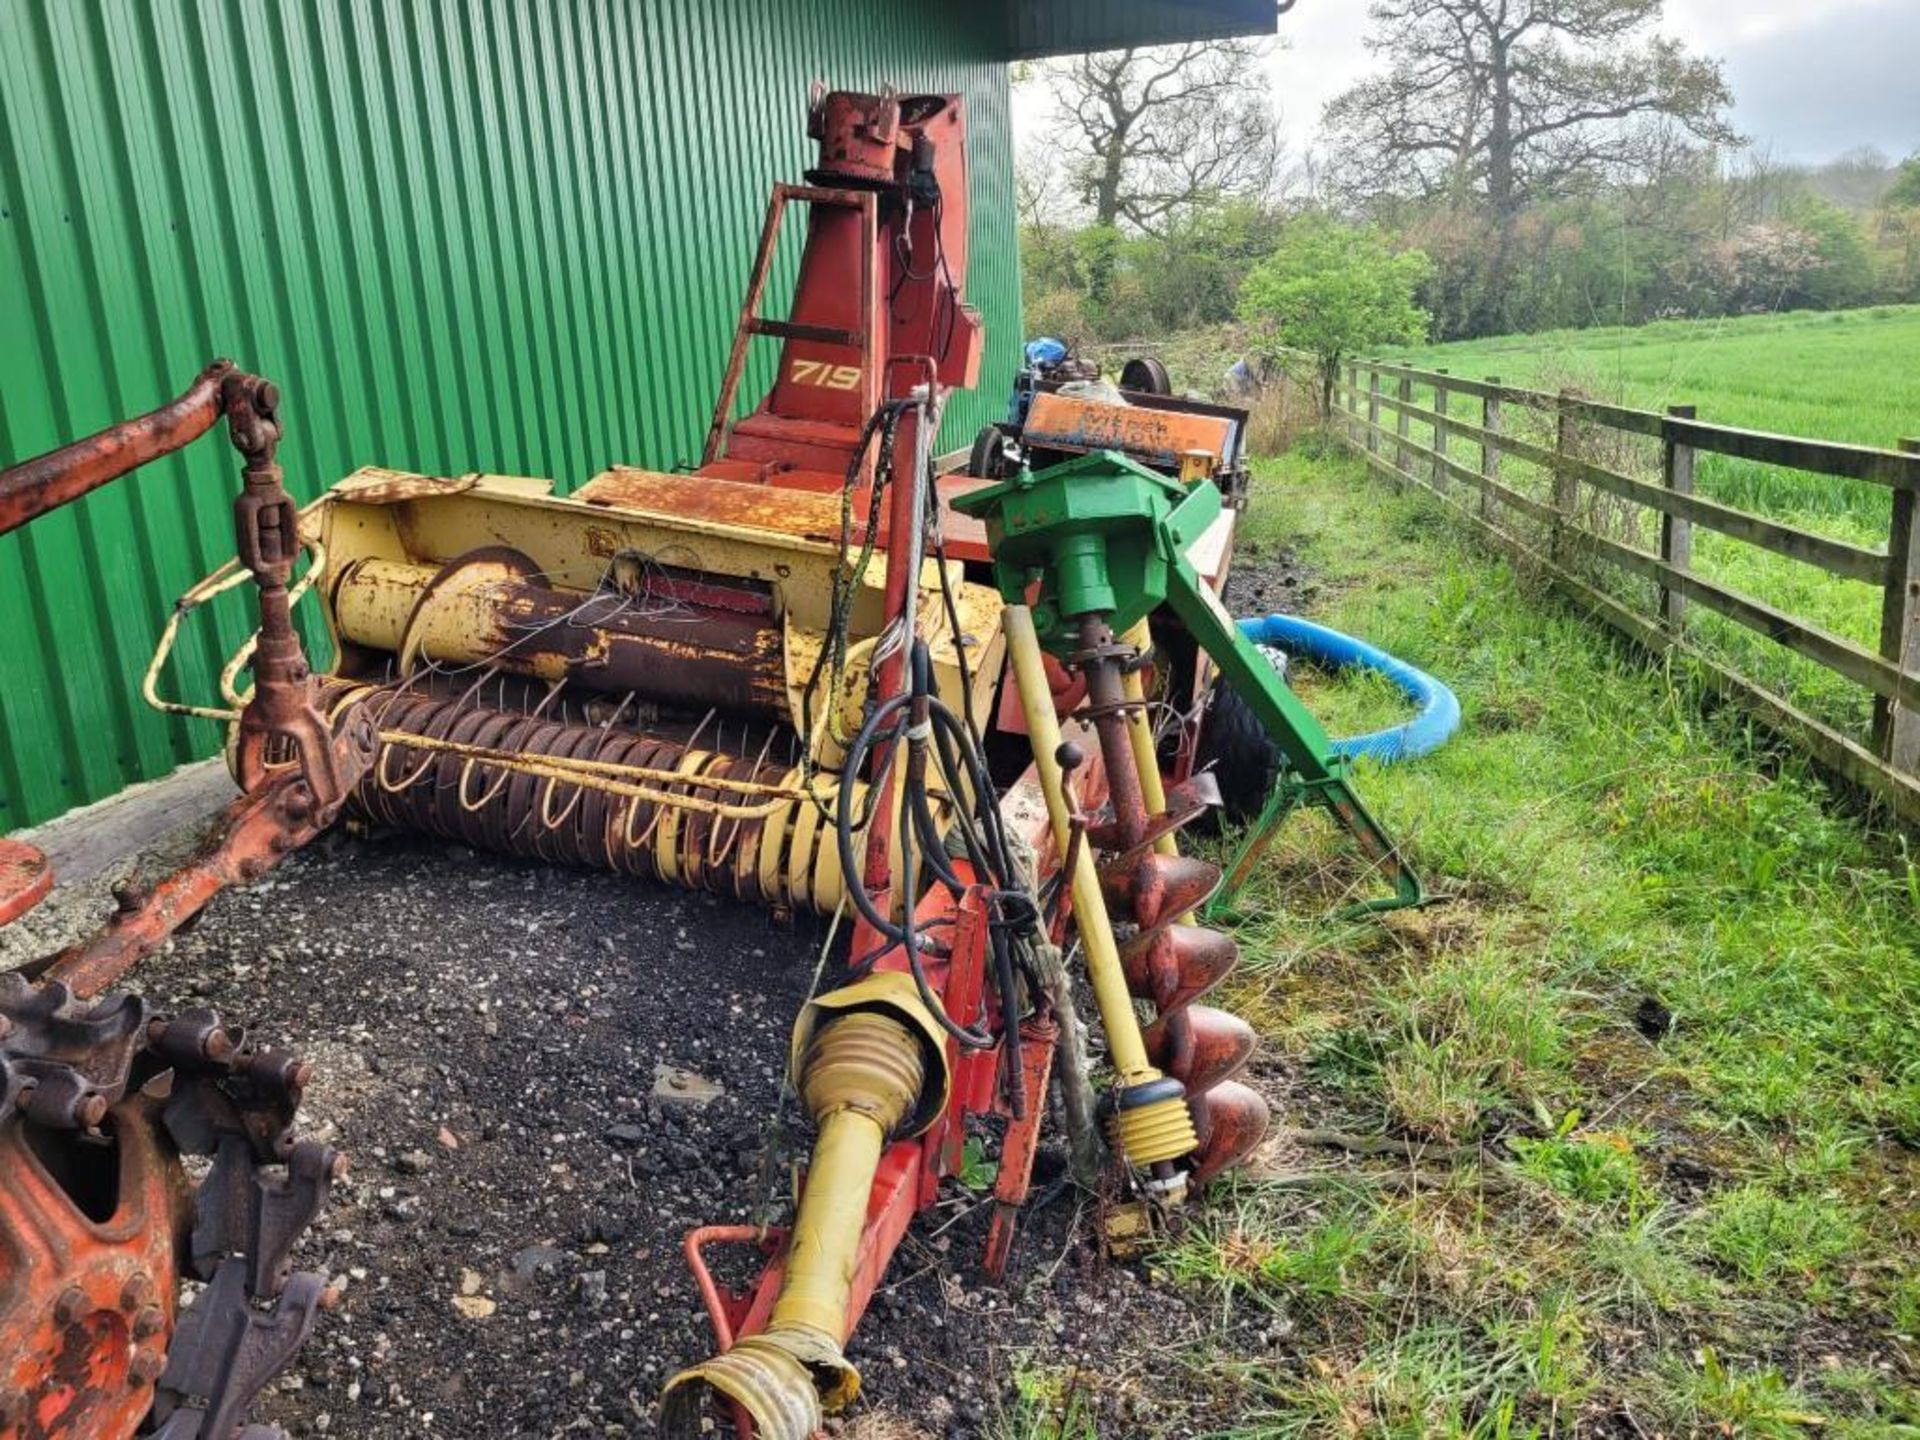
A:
(1100, 533)
(1103, 534)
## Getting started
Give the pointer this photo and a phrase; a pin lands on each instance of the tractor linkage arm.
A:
(296, 769)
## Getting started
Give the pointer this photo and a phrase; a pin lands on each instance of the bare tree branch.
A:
(1146, 135)
(1513, 101)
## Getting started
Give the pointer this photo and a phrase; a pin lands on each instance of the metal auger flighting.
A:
(1099, 544)
(1176, 1110)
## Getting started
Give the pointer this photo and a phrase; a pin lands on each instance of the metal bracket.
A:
(226, 1350)
(241, 1212)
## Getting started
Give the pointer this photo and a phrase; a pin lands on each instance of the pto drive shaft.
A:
(870, 1064)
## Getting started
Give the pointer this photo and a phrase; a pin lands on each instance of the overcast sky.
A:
(1810, 78)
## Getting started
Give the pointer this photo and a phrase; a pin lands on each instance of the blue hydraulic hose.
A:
(1427, 731)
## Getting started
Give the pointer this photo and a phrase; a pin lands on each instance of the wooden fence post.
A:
(1896, 728)
(1566, 485)
(1373, 412)
(1440, 432)
(1350, 402)
(1676, 533)
(1402, 456)
(1489, 452)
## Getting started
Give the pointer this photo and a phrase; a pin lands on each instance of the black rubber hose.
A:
(972, 1039)
(1009, 1022)
(844, 824)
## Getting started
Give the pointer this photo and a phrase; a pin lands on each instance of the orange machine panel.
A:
(1155, 437)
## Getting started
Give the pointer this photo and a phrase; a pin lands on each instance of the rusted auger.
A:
(1104, 541)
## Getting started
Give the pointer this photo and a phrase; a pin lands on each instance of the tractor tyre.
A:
(988, 459)
(1236, 746)
(1145, 375)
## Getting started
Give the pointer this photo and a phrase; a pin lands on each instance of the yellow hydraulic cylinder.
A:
(1146, 754)
(1140, 736)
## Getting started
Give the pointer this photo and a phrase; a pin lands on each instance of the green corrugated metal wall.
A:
(462, 234)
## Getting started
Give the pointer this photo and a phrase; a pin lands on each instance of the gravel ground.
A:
(513, 1056)
(544, 1079)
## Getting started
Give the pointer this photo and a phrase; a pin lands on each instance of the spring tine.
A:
(475, 688)
(619, 710)
(693, 740)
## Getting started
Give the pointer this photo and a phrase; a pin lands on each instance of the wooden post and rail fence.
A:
(1471, 426)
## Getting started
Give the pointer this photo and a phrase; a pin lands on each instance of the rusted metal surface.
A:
(686, 811)
(1014, 1179)
(98, 1101)
(1160, 438)
(296, 768)
(88, 1279)
(878, 306)
(33, 487)
(696, 501)
(25, 879)
(1169, 961)
(656, 642)
(252, 834)
(282, 724)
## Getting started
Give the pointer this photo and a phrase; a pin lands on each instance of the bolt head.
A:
(72, 1307)
(149, 1323)
(137, 1293)
(145, 1369)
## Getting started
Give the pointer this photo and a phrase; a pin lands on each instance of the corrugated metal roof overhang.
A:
(1039, 28)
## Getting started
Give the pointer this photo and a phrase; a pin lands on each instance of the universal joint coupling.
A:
(870, 1064)
(1151, 1121)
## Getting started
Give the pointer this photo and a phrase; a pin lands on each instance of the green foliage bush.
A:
(1331, 289)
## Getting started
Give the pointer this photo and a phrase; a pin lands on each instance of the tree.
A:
(1150, 134)
(1332, 289)
(1905, 190)
(1511, 101)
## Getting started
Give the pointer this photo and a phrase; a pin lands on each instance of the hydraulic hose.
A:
(1438, 716)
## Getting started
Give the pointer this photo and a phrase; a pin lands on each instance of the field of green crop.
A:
(1847, 375)
(1838, 375)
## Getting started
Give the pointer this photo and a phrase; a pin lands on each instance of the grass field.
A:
(1848, 375)
(1618, 1141)
(1839, 375)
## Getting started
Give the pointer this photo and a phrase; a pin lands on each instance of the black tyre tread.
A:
(1144, 374)
(1243, 758)
(987, 459)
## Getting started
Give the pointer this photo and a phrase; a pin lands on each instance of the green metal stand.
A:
(1104, 534)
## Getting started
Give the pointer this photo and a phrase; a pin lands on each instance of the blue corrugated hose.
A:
(1427, 731)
